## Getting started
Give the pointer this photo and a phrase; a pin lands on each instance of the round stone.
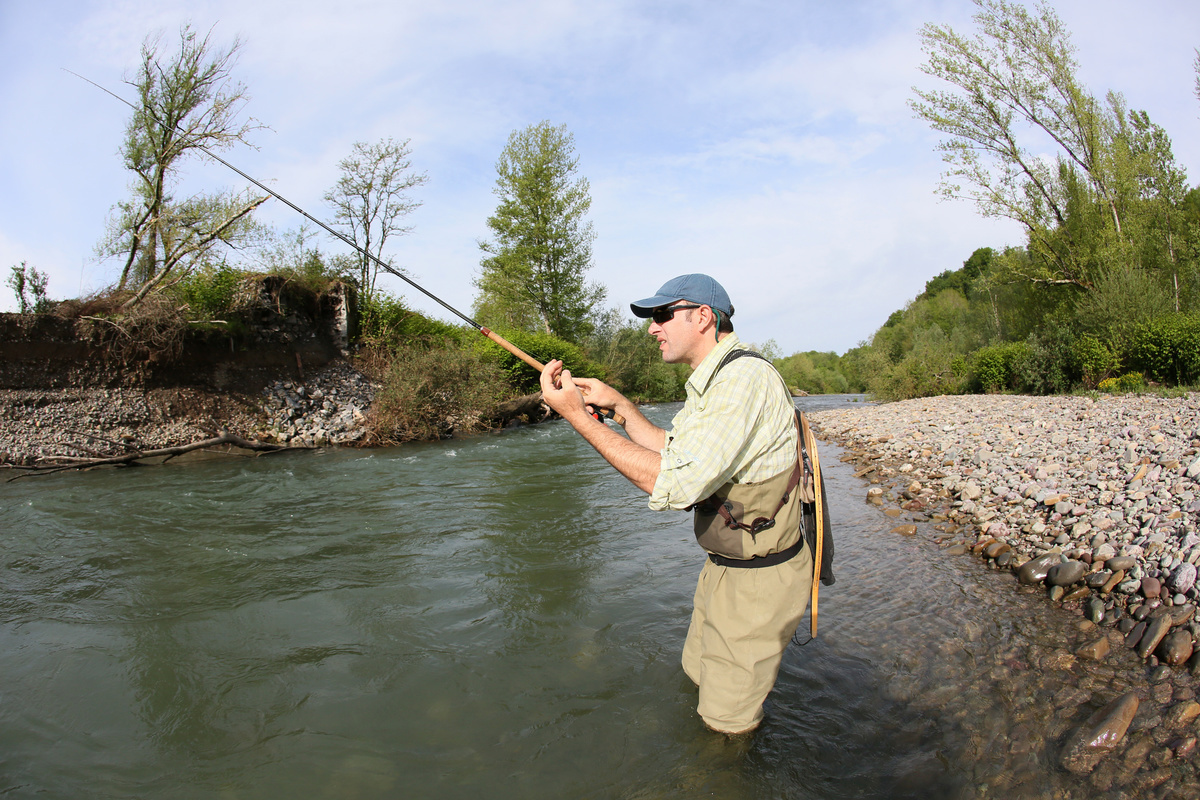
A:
(1066, 573)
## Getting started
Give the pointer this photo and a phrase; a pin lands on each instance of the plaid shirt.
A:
(738, 427)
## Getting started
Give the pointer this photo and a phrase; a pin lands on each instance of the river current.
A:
(497, 617)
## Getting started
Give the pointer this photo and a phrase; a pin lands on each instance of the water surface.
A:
(494, 617)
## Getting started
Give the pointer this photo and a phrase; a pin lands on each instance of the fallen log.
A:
(135, 457)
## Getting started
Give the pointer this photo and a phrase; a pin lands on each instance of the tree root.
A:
(136, 457)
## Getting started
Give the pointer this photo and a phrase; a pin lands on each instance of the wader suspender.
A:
(805, 445)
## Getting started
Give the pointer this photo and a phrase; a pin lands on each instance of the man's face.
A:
(676, 328)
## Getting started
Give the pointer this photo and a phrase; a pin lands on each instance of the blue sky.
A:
(767, 143)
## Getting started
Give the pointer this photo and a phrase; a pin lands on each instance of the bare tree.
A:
(187, 103)
(371, 198)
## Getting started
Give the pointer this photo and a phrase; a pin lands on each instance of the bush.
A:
(208, 293)
(1129, 382)
(997, 368)
(384, 321)
(430, 393)
(543, 347)
(1167, 349)
(1094, 360)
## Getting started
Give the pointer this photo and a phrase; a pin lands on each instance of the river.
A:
(494, 617)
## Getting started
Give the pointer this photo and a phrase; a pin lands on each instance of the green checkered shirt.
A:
(737, 427)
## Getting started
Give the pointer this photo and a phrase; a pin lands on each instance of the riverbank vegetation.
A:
(1105, 291)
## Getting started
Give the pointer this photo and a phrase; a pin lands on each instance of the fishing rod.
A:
(490, 334)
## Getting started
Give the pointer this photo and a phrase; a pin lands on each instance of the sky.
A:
(768, 143)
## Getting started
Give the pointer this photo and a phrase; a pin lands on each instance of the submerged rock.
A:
(1100, 735)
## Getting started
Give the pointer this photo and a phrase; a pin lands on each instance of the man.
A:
(733, 445)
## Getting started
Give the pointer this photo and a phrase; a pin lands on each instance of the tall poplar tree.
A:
(534, 272)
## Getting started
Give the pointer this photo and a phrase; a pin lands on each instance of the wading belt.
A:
(769, 560)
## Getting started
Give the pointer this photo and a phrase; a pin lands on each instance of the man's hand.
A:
(560, 392)
(635, 461)
(598, 394)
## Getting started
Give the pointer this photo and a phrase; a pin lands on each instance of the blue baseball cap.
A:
(695, 288)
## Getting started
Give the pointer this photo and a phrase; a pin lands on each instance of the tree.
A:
(29, 286)
(370, 199)
(186, 104)
(1015, 94)
(535, 268)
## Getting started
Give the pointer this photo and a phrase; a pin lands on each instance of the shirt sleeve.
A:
(706, 448)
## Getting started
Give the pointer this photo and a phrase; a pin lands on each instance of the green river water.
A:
(496, 617)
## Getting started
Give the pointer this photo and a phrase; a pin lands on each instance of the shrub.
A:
(930, 368)
(430, 393)
(1094, 360)
(208, 293)
(997, 367)
(1167, 348)
(1129, 382)
(385, 321)
(1050, 366)
(543, 347)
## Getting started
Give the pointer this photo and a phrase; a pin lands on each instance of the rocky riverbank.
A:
(328, 406)
(1093, 502)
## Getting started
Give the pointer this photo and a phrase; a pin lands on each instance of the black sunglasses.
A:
(664, 315)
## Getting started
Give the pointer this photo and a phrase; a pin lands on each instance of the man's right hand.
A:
(599, 394)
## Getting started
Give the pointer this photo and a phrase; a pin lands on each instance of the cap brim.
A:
(644, 308)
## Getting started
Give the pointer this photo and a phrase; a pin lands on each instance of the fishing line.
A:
(495, 337)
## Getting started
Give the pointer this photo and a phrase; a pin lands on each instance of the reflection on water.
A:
(500, 617)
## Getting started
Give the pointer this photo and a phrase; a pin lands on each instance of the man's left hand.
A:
(560, 392)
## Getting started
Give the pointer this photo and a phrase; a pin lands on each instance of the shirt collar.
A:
(700, 378)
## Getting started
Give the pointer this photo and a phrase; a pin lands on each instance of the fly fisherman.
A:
(732, 444)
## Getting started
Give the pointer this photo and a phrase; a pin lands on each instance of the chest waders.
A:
(754, 525)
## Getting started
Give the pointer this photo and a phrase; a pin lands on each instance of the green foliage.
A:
(1167, 349)
(961, 280)
(384, 321)
(29, 286)
(533, 274)
(431, 393)
(1050, 366)
(1095, 361)
(543, 347)
(1120, 302)
(632, 360)
(816, 373)
(208, 293)
(930, 368)
(997, 368)
(1129, 382)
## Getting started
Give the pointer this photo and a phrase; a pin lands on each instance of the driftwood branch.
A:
(134, 457)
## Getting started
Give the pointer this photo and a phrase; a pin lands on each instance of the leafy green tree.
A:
(1014, 96)
(187, 102)
(534, 272)
(370, 200)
